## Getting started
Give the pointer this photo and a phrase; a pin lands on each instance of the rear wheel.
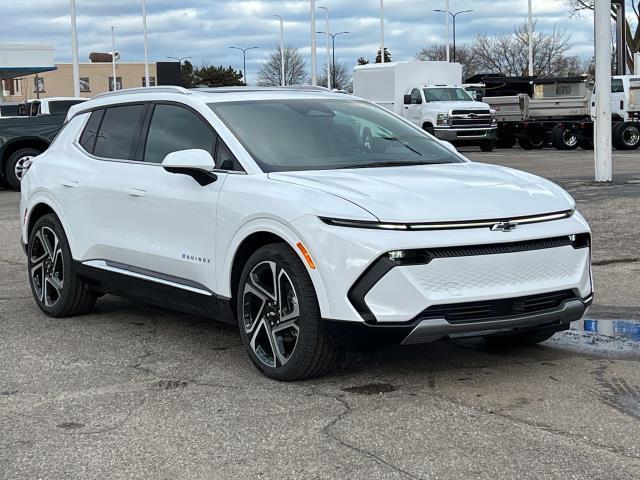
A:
(522, 339)
(626, 136)
(279, 317)
(57, 289)
(15, 167)
(531, 142)
(563, 139)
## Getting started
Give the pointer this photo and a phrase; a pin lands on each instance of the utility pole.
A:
(113, 57)
(314, 53)
(326, 12)
(530, 33)
(382, 59)
(146, 45)
(283, 81)
(74, 51)
(602, 130)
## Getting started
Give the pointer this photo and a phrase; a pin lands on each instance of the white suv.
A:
(314, 220)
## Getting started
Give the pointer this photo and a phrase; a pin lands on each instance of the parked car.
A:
(268, 208)
(9, 109)
(24, 138)
(431, 96)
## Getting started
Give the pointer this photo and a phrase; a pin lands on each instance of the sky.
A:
(204, 29)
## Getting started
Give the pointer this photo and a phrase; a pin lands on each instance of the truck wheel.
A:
(488, 146)
(15, 166)
(531, 143)
(427, 127)
(563, 139)
(626, 136)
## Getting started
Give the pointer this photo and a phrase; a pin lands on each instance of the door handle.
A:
(136, 192)
(70, 183)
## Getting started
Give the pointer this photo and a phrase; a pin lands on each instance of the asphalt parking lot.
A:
(132, 391)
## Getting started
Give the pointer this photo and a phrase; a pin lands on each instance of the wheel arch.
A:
(31, 142)
(253, 236)
(42, 205)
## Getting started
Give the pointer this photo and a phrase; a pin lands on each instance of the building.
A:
(95, 78)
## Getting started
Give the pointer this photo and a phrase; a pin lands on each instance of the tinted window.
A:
(9, 110)
(61, 107)
(616, 85)
(174, 128)
(88, 138)
(322, 134)
(119, 132)
(225, 159)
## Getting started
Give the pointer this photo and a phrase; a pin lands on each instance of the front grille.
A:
(470, 118)
(500, 248)
(496, 309)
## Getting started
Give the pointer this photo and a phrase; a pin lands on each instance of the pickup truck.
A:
(430, 95)
(22, 138)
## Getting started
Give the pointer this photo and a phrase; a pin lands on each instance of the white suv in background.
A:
(313, 220)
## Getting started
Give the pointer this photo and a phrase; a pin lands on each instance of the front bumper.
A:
(420, 330)
(466, 134)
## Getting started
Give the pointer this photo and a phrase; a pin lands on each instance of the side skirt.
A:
(155, 289)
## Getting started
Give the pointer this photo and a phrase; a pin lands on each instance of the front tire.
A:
(488, 146)
(279, 317)
(563, 139)
(56, 288)
(626, 136)
(14, 169)
(522, 339)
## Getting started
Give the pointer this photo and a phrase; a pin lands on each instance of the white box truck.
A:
(430, 95)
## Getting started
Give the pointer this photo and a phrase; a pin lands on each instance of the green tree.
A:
(387, 56)
(212, 76)
(188, 80)
(363, 61)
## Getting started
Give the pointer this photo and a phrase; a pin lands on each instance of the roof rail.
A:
(159, 89)
(261, 89)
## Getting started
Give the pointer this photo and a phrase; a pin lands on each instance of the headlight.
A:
(494, 120)
(443, 119)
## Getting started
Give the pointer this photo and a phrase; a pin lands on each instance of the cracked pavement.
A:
(133, 391)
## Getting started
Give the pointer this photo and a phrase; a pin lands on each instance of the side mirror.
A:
(196, 163)
(407, 99)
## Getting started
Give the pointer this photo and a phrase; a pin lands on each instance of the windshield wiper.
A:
(396, 139)
(386, 164)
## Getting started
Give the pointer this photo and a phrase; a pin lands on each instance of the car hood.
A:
(446, 106)
(438, 193)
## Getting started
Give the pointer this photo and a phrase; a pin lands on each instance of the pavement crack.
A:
(613, 261)
(327, 430)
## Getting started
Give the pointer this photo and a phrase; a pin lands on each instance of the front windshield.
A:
(324, 134)
(447, 94)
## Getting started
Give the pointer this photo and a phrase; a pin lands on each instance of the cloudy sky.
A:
(204, 29)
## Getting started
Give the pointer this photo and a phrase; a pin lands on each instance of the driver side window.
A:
(416, 98)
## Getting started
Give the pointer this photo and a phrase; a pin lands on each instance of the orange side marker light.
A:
(305, 254)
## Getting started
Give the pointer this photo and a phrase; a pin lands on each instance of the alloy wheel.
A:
(631, 136)
(569, 139)
(19, 168)
(47, 271)
(271, 314)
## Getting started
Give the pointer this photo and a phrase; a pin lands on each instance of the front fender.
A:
(289, 235)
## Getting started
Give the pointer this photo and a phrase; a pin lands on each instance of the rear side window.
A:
(174, 128)
(90, 132)
(119, 132)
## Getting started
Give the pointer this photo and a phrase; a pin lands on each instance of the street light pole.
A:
(326, 11)
(530, 34)
(333, 41)
(381, 31)
(454, 15)
(113, 57)
(244, 61)
(602, 132)
(314, 53)
(74, 51)
(146, 44)
(283, 81)
(447, 29)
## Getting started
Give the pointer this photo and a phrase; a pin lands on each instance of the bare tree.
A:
(270, 74)
(632, 37)
(464, 55)
(340, 78)
(508, 53)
